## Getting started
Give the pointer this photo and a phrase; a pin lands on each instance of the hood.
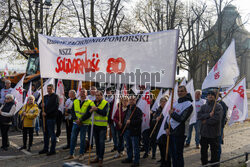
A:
(188, 97)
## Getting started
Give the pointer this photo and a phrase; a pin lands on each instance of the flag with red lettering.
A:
(45, 92)
(236, 101)
(144, 105)
(17, 92)
(79, 89)
(116, 101)
(6, 70)
(60, 93)
(225, 72)
(28, 93)
(157, 101)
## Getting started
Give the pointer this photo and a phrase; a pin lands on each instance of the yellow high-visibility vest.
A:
(81, 111)
(100, 120)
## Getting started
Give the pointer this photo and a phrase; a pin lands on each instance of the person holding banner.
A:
(118, 119)
(157, 117)
(100, 110)
(81, 110)
(7, 111)
(182, 109)
(51, 104)
(210, 116)
(132, 130)
(198, 103)
(28, 113)
(68, 116)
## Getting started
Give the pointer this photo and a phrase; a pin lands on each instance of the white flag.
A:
(116, 101)
(190, 89)
(165, 110)
(45, 92)
(184, 82)
(225, 71)
(79, 89)
(60, 93)
(157, 101)
(28, 93)
(17, 92)
(6, 70)
(135, 89)
(144, 105)
(236, 101)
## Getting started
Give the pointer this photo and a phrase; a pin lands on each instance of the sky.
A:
(243, 7)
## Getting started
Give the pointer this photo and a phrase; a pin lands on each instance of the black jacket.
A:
(182, 118)
(135, 121)
(153, 121)
(51, 104)
(210, 126)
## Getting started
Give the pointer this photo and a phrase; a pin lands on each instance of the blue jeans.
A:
(120, 147)
(37, 127)
(100, 135)
(114, 135)
(50, 133)
(197, 133)
(74, 134)
(176, 150)
(132, 145)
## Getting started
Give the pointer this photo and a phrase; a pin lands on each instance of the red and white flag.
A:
(124, 90)
(45, 92)
(60, 93)
(225, 71)
(79, 89)
(116, 102)
(190, 89)
(165, 111)
(236, 101)
(28, 93)
(6, 70)
(144, 105)
(17, 92)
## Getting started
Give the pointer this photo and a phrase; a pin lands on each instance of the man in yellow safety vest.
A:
(81, 110)
(100, 110)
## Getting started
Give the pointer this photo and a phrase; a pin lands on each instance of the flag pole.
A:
(43, 104)
(167, 145)
(91, 135)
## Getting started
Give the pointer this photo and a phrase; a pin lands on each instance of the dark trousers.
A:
(50, 133)
(162, 147)
(58, 123)
(100, 134)
(69, 125)
(27, 130)
(120, 141)
(5, 137)
(214, 148)
(176, 148)
(146, 140)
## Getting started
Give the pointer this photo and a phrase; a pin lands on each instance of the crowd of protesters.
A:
(124, 125)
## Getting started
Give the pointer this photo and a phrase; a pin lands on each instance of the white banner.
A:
(225, 71)
(150, 58)
(236, 101)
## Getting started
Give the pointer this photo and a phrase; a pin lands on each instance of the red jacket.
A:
(116, 117)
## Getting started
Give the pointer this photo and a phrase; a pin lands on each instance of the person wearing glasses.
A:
(7, 111)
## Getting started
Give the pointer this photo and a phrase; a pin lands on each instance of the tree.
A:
(29, 23)
(99, 18)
